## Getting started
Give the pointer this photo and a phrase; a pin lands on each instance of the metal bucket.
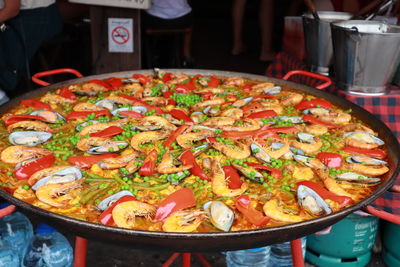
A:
(396, 79)
(366, 55)
(317, 37)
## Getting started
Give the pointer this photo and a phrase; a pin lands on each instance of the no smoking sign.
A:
(120, 35)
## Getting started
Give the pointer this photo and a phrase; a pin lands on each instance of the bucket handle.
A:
(35, 77)
(383, 215)
(7, 211)
(324, 85)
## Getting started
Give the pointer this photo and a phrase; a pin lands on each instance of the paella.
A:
(187, 153)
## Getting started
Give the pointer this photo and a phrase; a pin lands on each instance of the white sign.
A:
(141, 4)
(120, 35)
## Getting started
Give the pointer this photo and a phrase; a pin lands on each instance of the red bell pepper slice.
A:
(325, 194)
(265, 114)
(178, 200)
(142, 103)
(167, 95)
(106, 216)
(180, 115)
(141, 78)
(188, 158)
(83, 114)
(16, 118)
(232, 176)
(331, 160)
(132, 114)
(231, 98)
(250, 213)
(260, 133)
(313, 120)
(66, 93)
(214, 82)
(149, 164)
(173, 136)
(108, 132)
(263, 96)
(103, 84)
(26, 170)
(167, 77)
(274, 172)
(36, 104)
(284, 129)
(185, 87)
(88, 161)
(313, 103)
(376, 152)
(247, 87)
(115, 83)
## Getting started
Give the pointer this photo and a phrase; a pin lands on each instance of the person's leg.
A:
(238, 9)
(266, 23)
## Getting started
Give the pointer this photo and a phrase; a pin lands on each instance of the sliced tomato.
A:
(188, 158)
(313, 120)
(249, 212)
(180, 115)
(108, 132)
(232, 176)
(265, 114)
(26, 170)
(274, 172)
(325, 194)
(16, 118)
(106, 216)
(179, 200)
(88, 161)
(36, 104)
(214, 82)
(74, 115)
(66, 93)
(141, 78)
(314, 103)
(376, 152)
(172, 137)
(331, 160)
(149, 164)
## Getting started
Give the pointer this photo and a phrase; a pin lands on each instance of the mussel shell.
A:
(145, 128)
(292, 119)
(312, 202)
(212, 111)
(82, 125)
(247, 99)
(352, 177)
(42, 113)
(181, 177)
(200, 149)
(303, 159)
(110, 105)
(97, 150)
(364, 137)
(305, 137)
(316, 111)
(197, 116)
(68, 174)
(361, 159)
(108, 201)
(259, 153)
(29, 138)
(221, 216)
(273, 90)
(201, 127)
(139, 109)
(246, 171)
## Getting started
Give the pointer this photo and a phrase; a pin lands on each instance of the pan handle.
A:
(35, 77)
(327, 80)
(7, 211)
(383, 215)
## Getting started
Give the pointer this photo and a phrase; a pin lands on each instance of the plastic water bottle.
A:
(281, 254)
(248, 257)
(8, 255)
(16, 230)
(48, 248)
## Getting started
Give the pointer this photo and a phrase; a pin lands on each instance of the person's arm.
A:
(10, 10)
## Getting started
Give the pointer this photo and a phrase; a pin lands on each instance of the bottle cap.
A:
(44, 229)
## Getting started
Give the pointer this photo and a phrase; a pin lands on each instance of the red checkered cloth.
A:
(385, 107)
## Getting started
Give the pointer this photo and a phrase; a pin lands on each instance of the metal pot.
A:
(187, 242)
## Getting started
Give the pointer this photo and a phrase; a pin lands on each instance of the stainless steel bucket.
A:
(366, 55)
(396, 79)
(318, 42)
